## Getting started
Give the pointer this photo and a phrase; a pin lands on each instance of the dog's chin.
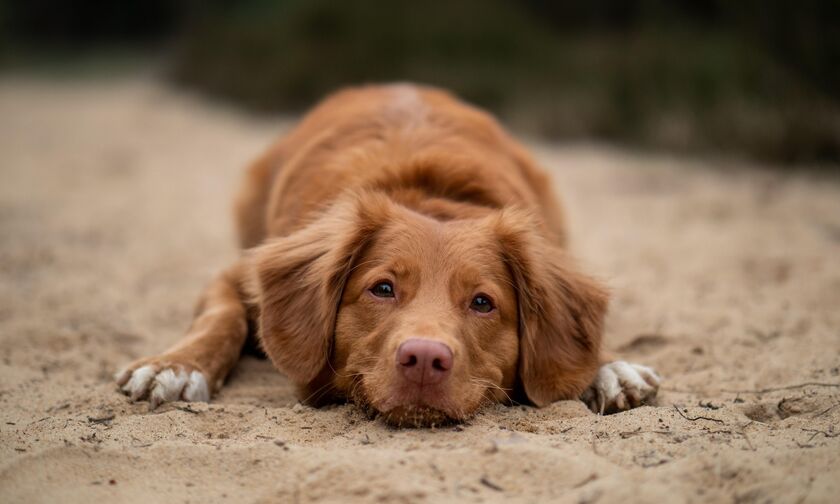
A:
(412, 408)
(416, 416)
(408, 414)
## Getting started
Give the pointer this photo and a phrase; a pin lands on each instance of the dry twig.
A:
(694, 419)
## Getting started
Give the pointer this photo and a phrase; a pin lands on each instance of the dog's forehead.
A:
(468, 245)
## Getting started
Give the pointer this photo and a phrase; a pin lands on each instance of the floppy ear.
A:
(300, 278)
(561, 313)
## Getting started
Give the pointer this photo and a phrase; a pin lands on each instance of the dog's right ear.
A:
(298, 281)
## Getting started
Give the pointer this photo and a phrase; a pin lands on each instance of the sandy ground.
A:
(114, 212)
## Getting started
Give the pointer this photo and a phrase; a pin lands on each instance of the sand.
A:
(114, 212)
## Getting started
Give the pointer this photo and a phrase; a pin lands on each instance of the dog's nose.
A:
(424, 361)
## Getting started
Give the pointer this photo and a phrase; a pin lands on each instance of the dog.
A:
(403, 252)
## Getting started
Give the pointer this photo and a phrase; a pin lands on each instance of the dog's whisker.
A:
(491, 386)
(317, 392)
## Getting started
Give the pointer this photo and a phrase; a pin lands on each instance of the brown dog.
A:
(403, 252)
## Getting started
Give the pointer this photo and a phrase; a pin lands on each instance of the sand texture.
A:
(115, 204)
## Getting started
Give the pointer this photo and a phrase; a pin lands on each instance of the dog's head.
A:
(424, 320)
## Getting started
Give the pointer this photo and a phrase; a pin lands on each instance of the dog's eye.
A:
(383, 290)
(481, 304)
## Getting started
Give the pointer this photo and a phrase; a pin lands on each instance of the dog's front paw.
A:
(163, 380)
(620, 386)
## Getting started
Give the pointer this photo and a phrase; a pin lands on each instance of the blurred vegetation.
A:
(759, 78)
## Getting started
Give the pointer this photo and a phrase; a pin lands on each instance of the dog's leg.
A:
(195, 368)
(619, 386)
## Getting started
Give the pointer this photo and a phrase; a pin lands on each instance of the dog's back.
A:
(430, 151)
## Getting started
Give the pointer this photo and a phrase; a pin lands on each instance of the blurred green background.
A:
(753, 78)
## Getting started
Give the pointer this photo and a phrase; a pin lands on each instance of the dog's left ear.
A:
(298, 280)
(561, 312)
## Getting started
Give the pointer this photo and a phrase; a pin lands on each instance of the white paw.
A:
(163, 384)
(619, 386)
